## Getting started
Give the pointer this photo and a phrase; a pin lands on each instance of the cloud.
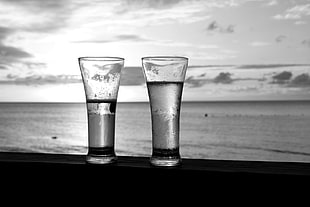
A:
(294, 13)
(122, 14)
(141, 13)
(212, 26)
(247, 67)
(209, 66)
(269, 66)
(132, 76)
(201, 79)
(41, 79)
(211, 3)
(282, 77)
(130, 37)
(2, 67)
(215, 27)
(259, 44)
(285, 78)
(154, 4)
(34, 65)
(239, 89)
(50, 15)
(117, 38)
(176, 10)
(42, 16)
(280, 38)
(198, 76)
(4, 32)
(19, 17)
(133, 38)
(193, 82)
(207, 55)
(11, 76)
(224, 78)
(302, 80)
(300, 22)
(306, 42)
(36, 5)
(8, 54)
(271, 3)
(14, 56)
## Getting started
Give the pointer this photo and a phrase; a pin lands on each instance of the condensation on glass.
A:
(165, 78)
(101, 80)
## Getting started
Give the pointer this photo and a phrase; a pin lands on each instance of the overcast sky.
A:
(237, 49)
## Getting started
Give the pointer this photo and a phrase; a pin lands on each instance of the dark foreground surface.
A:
(55, 174)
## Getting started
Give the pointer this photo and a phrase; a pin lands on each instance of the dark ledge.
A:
(55, 169)
(134, 163)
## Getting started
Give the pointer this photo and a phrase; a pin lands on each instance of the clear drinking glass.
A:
(101, 79)
(165, 78)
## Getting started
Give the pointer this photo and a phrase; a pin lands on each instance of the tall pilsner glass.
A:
(164, 78)
(101, 79)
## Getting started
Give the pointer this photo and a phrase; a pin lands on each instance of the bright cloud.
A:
(40, 42)
(138, 13)
(259, 44)
(272, 3)
(35, 15)
(296, 12)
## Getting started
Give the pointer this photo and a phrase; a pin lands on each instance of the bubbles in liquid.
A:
(101, 122)
(165, 99)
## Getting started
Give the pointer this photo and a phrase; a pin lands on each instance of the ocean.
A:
(256, 130)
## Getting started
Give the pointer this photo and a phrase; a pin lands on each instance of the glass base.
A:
(165, 162)
(93, 159)
(104, 155)
(166, 157)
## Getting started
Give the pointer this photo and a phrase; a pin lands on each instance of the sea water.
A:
(262, 130)
(101, 130)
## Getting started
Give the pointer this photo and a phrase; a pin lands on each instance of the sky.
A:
(237, 49)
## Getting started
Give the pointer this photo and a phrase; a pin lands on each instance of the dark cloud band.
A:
(215, 27)
(130, 76)
(8, 54)
(117, 38)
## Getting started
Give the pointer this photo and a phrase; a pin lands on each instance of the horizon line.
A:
(137, 102)
(241, 65)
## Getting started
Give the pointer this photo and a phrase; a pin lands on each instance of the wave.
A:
(263, 149)
(268, 66)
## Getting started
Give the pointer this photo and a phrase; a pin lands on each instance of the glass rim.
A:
(102, 58)
(165, 58)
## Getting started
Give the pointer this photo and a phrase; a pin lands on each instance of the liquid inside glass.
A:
(165, 100)
(101, 130)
